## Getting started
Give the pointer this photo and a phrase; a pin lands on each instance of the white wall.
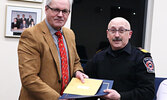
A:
(9, 74)
(158, 46)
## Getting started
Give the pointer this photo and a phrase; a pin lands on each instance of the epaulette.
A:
(147, 54)
(100, 50)
(144, 51)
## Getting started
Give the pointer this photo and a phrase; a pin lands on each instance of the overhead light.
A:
(134, 13)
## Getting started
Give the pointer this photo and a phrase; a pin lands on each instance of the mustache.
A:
(57, 18)
(117, 39)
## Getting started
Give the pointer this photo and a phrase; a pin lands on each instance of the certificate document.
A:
(89, 87)
(78, 90)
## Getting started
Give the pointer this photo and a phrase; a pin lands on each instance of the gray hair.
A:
(49, 1)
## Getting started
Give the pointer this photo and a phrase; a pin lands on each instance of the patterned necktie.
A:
(64, 64)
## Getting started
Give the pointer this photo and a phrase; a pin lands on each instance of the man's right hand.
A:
(112, 95)
(81, 76)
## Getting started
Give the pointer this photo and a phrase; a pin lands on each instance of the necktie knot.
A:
(58, 34)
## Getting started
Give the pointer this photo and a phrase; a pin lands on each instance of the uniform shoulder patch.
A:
(148, 62)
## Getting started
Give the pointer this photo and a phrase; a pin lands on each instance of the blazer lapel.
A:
(49, 39)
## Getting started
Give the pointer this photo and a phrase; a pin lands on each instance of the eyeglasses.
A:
(121, 30)
(56, 10)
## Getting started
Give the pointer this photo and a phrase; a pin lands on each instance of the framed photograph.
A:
(32, 0)
(19, 18)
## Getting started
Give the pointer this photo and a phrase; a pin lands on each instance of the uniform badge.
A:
(149, 64)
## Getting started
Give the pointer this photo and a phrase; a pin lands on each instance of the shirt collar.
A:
(126, 49)
(51, 29)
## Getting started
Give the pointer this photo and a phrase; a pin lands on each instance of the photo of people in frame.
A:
(21, 20)
(33, 0)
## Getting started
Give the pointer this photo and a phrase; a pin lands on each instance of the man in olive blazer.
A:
(39, 63)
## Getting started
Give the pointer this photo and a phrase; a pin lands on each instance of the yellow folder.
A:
(90, 87)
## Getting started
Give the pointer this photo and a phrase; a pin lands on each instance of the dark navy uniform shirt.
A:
(131, 69)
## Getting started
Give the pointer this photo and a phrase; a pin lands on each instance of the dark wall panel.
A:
(91, 17)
